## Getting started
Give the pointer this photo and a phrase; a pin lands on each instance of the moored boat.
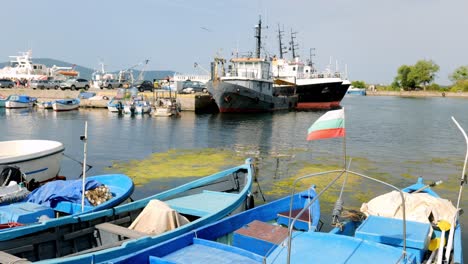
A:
(19, 101)
(315, 90)
(409, 225)
(261, 235)
(65, 198)
(39, 160)
(44, 105)
(115, 106)
(66, 104)
(247, 86)
(356, 91)
(165, 104)
(137, 106)
(140, 223)
(3, 101)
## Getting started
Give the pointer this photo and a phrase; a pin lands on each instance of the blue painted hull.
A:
(350, 244)
(231, 186)
(121, 187)
(356, 92)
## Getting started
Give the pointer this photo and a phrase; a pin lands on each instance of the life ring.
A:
(249, 202)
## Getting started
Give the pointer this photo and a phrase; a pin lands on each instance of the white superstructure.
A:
(22, 67)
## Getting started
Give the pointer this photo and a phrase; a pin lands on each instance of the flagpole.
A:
(344, 141)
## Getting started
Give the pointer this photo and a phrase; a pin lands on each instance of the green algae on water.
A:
(179, 164)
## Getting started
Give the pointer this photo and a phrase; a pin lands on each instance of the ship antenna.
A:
(258, 36)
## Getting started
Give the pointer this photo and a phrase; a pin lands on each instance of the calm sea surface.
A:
(397, 139)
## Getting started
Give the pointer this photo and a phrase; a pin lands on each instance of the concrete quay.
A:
(199, 102)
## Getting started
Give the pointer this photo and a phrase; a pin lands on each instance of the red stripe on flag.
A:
(326, 133)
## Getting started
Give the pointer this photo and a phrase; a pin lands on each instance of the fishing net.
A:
(98, 195)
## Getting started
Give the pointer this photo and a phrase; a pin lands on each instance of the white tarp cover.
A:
(418, 207)
(157, 218)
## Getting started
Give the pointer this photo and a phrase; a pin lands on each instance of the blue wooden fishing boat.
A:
(134, 225)
(264, 235)
(409, 225)
(64, 199)
(20, 101)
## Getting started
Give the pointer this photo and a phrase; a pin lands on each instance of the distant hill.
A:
(87, 73)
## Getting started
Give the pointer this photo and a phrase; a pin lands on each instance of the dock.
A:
(198, 102)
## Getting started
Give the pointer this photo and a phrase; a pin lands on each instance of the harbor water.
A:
(392, 138)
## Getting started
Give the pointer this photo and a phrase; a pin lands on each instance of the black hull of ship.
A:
(317, 96)
(233, 98)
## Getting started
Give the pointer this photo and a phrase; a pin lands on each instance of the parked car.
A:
(43, 84)
(75, 84)
(6, 83)
(110, 84)
(193, 87)
(145, 86)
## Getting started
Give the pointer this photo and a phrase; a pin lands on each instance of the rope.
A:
(81, 163)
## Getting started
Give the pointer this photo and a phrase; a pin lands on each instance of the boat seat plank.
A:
(259, 237)
(203, 203)
(119, 230)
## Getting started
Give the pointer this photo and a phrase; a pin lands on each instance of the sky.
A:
(371, 37)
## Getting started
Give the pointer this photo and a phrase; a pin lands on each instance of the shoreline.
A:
(418, 94)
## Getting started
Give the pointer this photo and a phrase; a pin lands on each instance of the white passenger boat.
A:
(37, 159)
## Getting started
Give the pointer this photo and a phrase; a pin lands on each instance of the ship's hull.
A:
(317, 94)
(238, 97)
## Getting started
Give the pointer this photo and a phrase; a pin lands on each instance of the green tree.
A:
(460, 73)
(423, 72)
(358, 84)
(403, 78)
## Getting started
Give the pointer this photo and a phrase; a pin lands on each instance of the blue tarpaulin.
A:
(53, 192)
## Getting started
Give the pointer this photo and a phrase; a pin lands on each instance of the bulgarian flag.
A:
(330, 125)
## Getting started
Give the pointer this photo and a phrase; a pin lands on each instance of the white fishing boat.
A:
(39, 160)
(66, 104)
(138, 106)
(165, 104)
(19, 101)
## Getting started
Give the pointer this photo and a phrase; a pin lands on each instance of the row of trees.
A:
(422, 75)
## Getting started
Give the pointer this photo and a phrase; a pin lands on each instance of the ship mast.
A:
(293, 45)
(258, 36)
(281, 48)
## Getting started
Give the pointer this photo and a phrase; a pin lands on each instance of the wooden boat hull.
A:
(67, 200)
(228, 191)
(14, 104)
(256, 240)
(37, 159)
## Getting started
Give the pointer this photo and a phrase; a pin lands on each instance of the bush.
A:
(433, 87)
(460, 86)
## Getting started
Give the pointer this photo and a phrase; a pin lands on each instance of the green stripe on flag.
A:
(327, 124)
